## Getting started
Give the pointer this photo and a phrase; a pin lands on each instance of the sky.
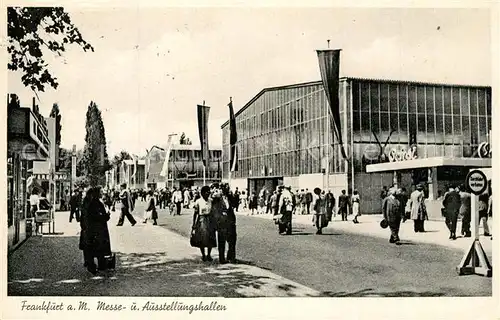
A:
(152, 66)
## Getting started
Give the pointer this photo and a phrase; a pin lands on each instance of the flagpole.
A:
(327, 166)
(230, 152)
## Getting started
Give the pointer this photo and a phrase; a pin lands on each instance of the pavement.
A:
(348, 260)
(436, 231)
(151, 261)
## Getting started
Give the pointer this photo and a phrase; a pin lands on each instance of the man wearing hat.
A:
(392, 214)
(225, 222)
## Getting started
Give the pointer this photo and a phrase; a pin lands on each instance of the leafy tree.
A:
(123, 155)
(31, 29)
(81, 182)
(184, 140)
(55, 113)
(95, 157)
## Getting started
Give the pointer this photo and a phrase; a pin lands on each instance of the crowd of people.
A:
(398, 206)
(214, 219)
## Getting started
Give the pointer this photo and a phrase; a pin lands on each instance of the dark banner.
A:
(329, 65)
(203, 112)
(233, 137)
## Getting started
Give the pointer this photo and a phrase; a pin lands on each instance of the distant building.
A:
(131, 172)
(185, 167)
(27, 141)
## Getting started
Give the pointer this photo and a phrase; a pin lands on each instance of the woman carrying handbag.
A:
(151, 212)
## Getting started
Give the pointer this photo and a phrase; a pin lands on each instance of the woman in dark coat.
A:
(94, 236)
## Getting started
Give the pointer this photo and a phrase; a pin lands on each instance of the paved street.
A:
(346, 261)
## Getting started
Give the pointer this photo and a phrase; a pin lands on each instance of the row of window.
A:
(436, 128)
(383, 97)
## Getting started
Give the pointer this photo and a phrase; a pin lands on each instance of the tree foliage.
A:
(118, 158)
(95, 157)
(31, 29)
(65, 160)
(184, 140)
(81, 182)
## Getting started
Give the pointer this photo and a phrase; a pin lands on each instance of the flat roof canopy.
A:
(428, 163)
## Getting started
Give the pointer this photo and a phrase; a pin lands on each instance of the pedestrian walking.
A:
(252, 204)
(418, 209)
(94, 235)
(343, 205)
(330, 205)
(465, 211)
(451, 204)
(74, 205)
(483, 213)
(392, 214)
(319, 205)
(126, 204)
(402, 198)
(355, 199)
(177, 200)
(203, 228)
(308, 200)
(151, 213)
(225, 223)
(285, 209)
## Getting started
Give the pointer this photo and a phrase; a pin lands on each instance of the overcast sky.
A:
(151, 67)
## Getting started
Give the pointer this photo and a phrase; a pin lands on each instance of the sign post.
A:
(475, 260)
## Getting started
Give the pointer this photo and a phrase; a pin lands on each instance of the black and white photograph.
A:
(176, 161)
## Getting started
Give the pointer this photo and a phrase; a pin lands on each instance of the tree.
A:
(81, 182)
(95, 157)
(118, 158)
(31, 29)
(55, 113)
(184, 140)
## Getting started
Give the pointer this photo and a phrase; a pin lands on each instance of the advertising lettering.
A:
(403, 155)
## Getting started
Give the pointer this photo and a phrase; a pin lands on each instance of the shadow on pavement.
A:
(373, 293)
(53, 266)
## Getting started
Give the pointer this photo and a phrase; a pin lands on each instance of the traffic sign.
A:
(476, 182)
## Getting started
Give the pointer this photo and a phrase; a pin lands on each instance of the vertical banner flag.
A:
(203, 112)
(329, 65)
(233, 137)
(164, 169)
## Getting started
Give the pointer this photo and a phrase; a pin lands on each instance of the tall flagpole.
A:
(230, 152)
(205, 162)
(327, 165)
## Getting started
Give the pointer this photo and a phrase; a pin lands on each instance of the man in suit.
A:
(392, 213)
(74, 205)
(451, 203)
(225, 222)
(343, 205)
(126, 202)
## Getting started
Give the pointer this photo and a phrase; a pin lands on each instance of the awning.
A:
(428, 163)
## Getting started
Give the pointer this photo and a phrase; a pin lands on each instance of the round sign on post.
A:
(476, 182)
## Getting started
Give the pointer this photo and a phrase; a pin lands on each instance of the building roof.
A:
(187, 147)
(314, 83)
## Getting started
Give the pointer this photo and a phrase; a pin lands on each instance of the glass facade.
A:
(281, 132)
(441, 121)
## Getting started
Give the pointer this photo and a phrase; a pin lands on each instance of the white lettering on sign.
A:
(403, 155)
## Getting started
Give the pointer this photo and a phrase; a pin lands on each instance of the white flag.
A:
(164, 170)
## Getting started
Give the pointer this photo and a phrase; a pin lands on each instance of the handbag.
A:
(194, 239)
(110, 261)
